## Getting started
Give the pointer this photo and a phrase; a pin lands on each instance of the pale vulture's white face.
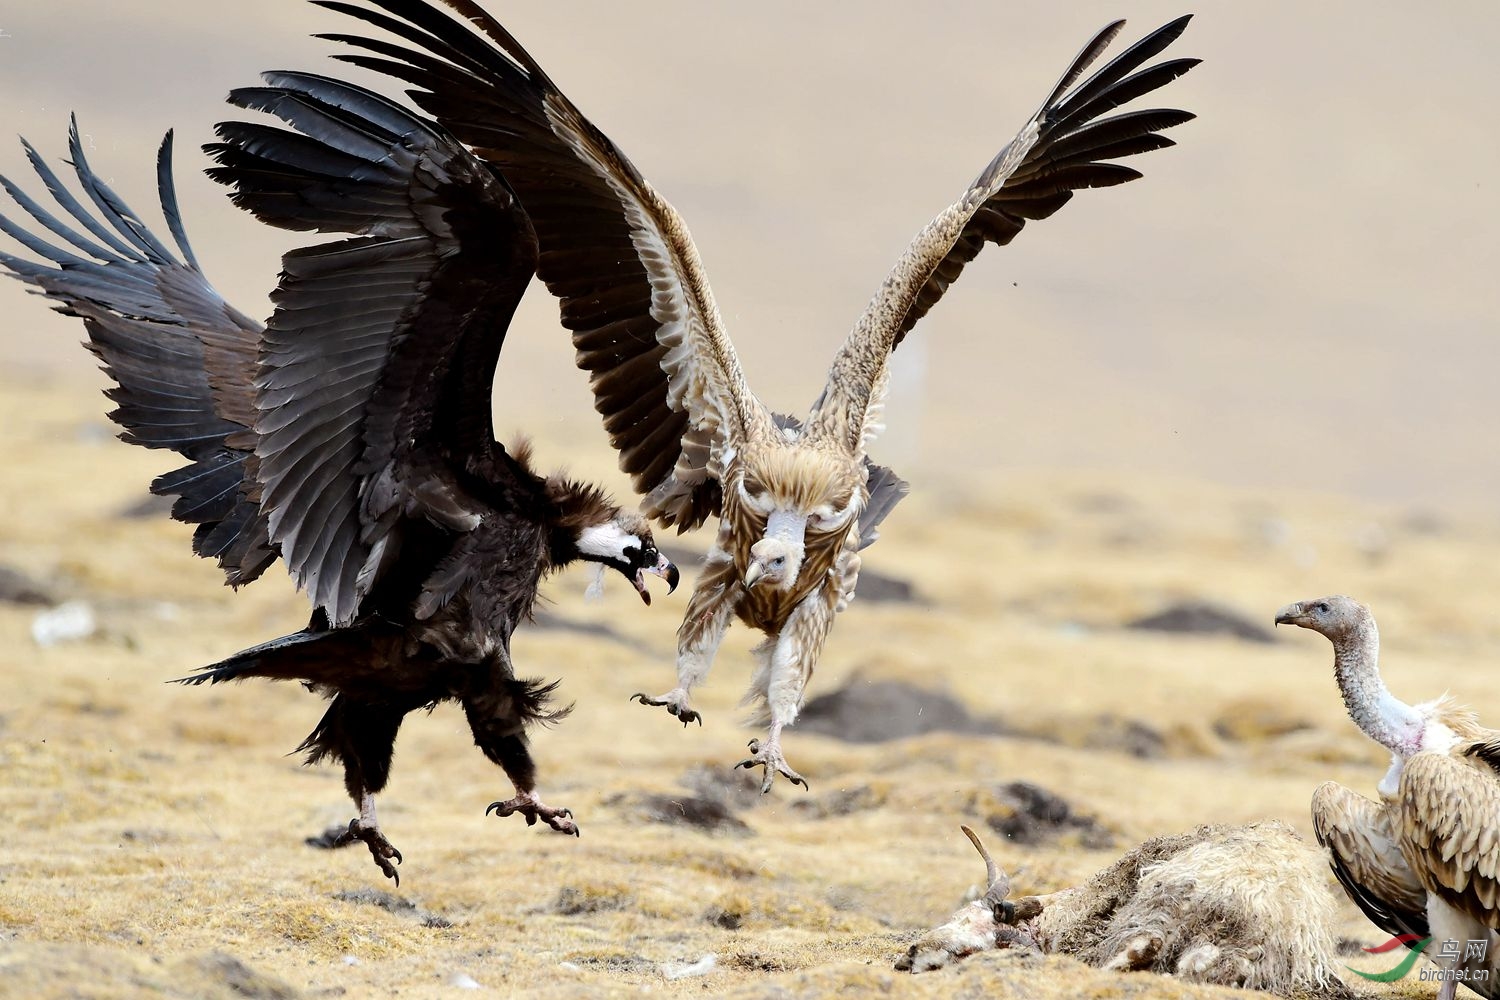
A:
(776, 559)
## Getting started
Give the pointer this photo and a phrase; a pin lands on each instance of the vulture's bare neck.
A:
(1382, 716)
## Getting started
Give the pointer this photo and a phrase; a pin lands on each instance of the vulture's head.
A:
(1333, 616)
(774, 564)
(806, 498)
(622, 540)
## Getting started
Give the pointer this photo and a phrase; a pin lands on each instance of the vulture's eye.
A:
(1322, 608)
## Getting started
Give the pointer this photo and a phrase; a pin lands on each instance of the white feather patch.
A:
(606, 541)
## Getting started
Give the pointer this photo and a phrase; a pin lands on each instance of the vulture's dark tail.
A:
(312, 656)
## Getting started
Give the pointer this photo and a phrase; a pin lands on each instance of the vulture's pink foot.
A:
(382, 850)
(676, 702)
(530, 805)
(768, 755)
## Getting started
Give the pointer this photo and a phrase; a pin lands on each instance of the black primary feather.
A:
(165, 337)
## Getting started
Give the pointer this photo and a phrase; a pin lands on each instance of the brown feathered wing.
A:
(1450, 822)
(1365, 855)
(1064, 147)
(631, 286)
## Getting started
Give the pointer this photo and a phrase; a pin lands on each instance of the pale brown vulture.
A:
(797, 500)
(1423, 861)
(351, 436)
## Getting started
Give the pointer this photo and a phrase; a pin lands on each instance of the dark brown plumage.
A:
(351, 436)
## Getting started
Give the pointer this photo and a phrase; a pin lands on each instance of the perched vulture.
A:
(351, 436)
(1424, 861)
(797, 500)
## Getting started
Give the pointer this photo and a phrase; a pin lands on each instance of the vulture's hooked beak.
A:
(1289, 614)
(753, 574)
(663, 569)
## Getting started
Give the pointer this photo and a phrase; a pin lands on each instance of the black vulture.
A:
(351, 436)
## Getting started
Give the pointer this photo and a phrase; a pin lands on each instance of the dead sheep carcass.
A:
(1242, 906)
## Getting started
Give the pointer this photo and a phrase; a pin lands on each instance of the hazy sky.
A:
(1301, 294)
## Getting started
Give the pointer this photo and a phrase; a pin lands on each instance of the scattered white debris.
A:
(350, 960)
(64, 623)
(464, 981)
(702, 967)
(596, 588)
(570, 966)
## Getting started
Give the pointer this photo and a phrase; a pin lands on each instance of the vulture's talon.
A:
(768, 755)
(381, 849)
(530, 805)
(676, 704)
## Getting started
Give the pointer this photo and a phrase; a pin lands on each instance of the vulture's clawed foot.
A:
(768, 755)
(530, 805)
(675, 702)
(383, 851)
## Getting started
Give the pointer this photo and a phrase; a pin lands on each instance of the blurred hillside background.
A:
(1299, 296)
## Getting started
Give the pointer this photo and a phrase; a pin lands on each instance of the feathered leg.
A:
(792, 659)
(363, 737)
(703, 627)
(498, 717)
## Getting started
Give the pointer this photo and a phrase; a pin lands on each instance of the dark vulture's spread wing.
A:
(181, 357)
(1065, 147)
(373, 392)
(364, 406)
(632, 289)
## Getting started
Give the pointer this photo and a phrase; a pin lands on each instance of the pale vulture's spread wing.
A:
(632, 288)
(1450, 812)
(1365, 855)
(181, 356)
(1063, 148)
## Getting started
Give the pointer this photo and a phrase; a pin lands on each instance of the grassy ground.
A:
(152, 837)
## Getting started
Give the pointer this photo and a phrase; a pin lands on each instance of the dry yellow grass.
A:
(151, 835)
